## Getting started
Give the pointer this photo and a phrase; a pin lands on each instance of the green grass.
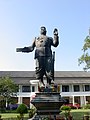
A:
(12, 116)
(79, 113)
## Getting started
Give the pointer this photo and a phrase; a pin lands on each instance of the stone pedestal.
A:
(47, 104)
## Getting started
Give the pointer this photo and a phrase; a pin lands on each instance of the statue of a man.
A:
(43, 54)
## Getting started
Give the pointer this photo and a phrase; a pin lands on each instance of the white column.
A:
(82, 100)
(60, 88)
(36, 88)
(85, 100)
(70, 99)
(19, 100)
(73, 100)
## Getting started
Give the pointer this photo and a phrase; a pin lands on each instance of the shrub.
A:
(32, 112)
(65, 108)
(87, 106)
(22, 109)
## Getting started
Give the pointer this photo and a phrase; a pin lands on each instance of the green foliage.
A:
(87, 106)
(85, 57)
(32, 112)
(65, 108)
(13, 116)
(2, 106)
(76, 113)
(7, 87)
(19, 117)
(22, 109)
(86, 45)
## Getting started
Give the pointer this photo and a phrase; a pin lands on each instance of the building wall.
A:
(80, 96)
(72, 80)
(73, 95)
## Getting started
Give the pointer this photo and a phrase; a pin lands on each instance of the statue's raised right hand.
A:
(55, 32)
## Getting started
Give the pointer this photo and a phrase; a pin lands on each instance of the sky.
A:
(20, 22)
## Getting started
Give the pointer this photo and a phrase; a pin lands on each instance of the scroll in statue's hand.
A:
(19, 49)
(25, 49)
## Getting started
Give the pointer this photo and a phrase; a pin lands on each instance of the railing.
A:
(25, 94)
(63, 94)
(75, 94)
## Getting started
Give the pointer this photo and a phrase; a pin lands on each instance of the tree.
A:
(85, 58)
(8, 88)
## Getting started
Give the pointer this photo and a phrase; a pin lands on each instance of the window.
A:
(87, 87)
(76, 88)
(25, 88)
(65, 88)
(33, 88)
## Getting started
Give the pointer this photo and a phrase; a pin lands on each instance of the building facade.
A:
(74, 85)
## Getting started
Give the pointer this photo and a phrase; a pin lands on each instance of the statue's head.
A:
(43, 30)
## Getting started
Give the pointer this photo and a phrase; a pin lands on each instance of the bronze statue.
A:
(43, 54)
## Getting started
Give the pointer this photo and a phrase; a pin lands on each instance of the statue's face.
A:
(43, 30)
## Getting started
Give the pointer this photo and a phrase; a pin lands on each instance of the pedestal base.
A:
(47, 104)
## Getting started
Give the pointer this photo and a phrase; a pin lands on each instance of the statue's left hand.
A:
(55, 32)
(25, 49)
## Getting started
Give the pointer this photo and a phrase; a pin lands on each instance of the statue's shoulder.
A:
(50, 38)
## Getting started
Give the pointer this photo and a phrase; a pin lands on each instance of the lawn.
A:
(77, 114)
(12, 116)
